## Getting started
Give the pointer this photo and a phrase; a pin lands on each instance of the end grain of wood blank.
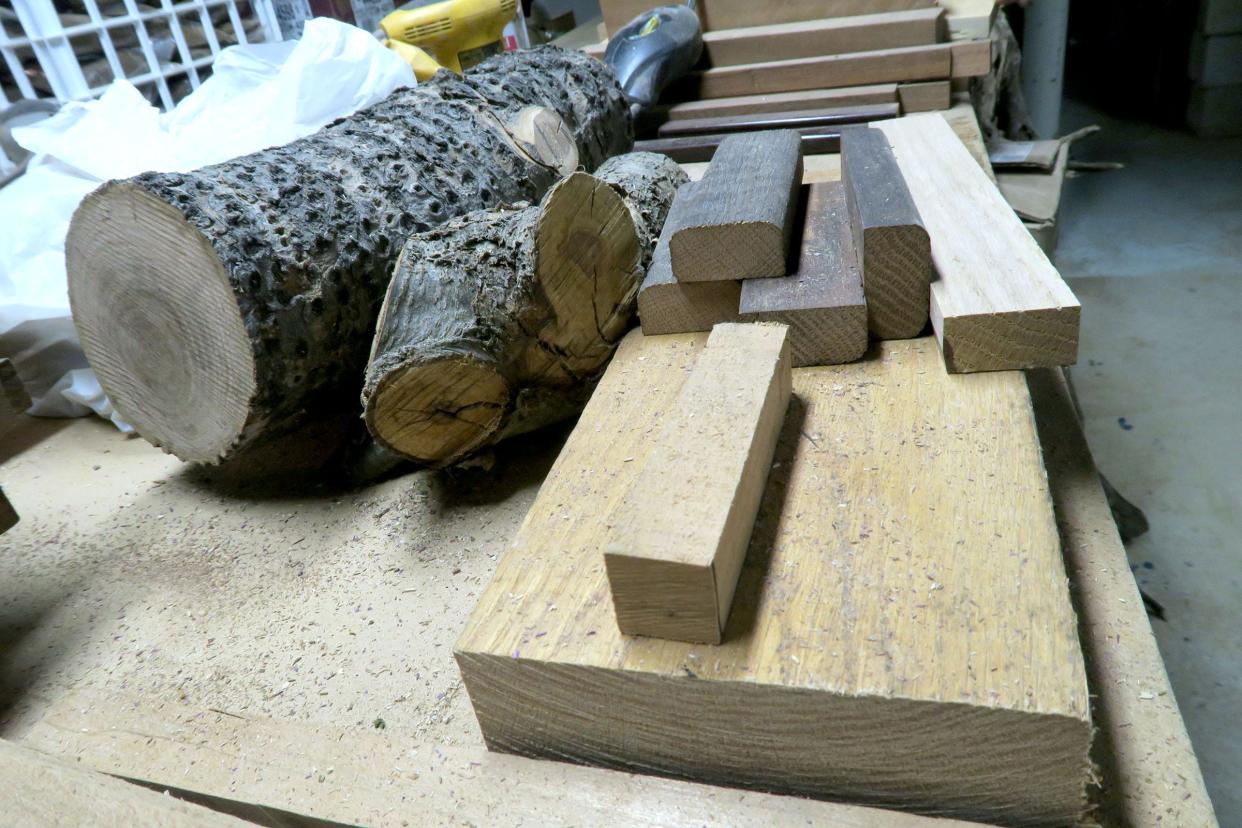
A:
(893, 246)
(667, 306)
(679, 537)
(737, 224)
(822, 301)
(998, 304)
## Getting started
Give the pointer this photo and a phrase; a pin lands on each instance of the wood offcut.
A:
(738, 220)
(892, 244)
(677, 540)
(822, 300)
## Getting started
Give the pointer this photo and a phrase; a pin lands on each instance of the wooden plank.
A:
(41, 792)
(316, 774)
(915, 63)
(971, 58)
(737, 221)
(998, 303)
(969, 19)
(846, 96)
(734, 14)
(884, 612)
(666, 305)
(893, 245)
(925, 96)
(689, 149)
(822, 300)
(798, 119)
(829, 36)
(1133, 705)
(1035, 195)
(677, 540)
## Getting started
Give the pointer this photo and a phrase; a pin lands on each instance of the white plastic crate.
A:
(72, 49)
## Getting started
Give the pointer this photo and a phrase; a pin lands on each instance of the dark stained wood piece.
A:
(822, 300)
(893, 247)
(688, 149)
(799, 119)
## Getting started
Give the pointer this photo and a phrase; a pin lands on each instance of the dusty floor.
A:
(1154, 252)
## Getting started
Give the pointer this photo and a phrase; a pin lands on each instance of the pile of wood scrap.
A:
(812, 65)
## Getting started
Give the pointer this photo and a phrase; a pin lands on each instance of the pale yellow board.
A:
(885, 614)
(997, 302)
(969, 19)
(379, 779)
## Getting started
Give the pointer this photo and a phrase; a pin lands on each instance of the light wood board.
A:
(822, 300)
(969, 19)
(915, 63)
(884, 613)
(925, 96)
(303, 773)
(997, 302)
(677, 540)
(971, 58)
(736, 14)
(881, 93)
(828, 36)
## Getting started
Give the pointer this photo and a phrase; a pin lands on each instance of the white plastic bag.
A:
(259, 95)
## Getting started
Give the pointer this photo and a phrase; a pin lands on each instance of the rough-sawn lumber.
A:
(829, 36)
(677, 539)
(495, 323)
(230, 304)
(822, 299)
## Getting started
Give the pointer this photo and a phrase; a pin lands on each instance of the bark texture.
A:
(307, 234)
(498, 322)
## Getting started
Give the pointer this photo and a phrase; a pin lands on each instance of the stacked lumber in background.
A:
(793, 60)
(1215, 109)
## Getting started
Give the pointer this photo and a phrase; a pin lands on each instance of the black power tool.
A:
(654, 49)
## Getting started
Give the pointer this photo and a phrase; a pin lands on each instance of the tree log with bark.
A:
(498, 322)
(230, 305)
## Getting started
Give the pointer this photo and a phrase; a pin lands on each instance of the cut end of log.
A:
(159, 323)
(438, 412)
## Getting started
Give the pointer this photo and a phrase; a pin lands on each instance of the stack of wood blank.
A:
(812, 65)
(840, 260)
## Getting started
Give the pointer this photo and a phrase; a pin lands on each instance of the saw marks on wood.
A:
(901, 632)
(997, 302)
(822, 300)
(737, 221)
(677, 540)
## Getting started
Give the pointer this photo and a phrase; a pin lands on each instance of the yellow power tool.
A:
(454, 34)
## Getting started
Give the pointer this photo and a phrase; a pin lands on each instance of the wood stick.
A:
(679, 536)
(892, 244)
(915, 63)
(829, 36)
(822, 300)
(971, 58)
(227, 306)
(739, 219)
(925, 96)
(666, 305)
(846, 96)
(690, 149)
(799, 119)
(496, 323)
(998, 303)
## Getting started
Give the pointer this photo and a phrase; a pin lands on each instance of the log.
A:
(680, 534)
(822, 299)
(738, 222)
(496, 323)
(227, 306)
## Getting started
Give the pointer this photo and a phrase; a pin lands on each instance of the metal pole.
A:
(1043, 63)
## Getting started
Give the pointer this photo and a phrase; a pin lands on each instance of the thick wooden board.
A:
(798, 119)
(666, 305)
(311, 774)
(915, 63)
(892, 244)
(733, 14)
(971, 58)
(41, 792)
(925, 96)
(829, 36)
(691, 149)
(677, 539)
(737, 221)
(822, 300)
(846, 96)
(997, 302)
(1149, 776)
(969, 19)
(884, 614)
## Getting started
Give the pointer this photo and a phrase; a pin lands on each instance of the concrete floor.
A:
(1154, 252)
